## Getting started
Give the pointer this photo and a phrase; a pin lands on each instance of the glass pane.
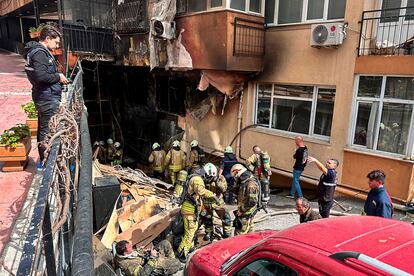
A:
(364, 125)
(197, 5)
(394, 127)
(291, 115)
(409, 13)
(324, 112)
(216, 3)
(294, 91)
(290, 11)
(238, 5)
(336, 9)
(181, 6)
(264, 95)
(399, 88)
(391, 15)
(315, 9)
(255, 6)
(270, 11)
(369, 86)
(265, 267)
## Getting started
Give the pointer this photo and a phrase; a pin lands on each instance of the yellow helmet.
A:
(182, 176)
(194, 143)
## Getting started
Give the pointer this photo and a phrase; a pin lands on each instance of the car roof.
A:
(389, 241)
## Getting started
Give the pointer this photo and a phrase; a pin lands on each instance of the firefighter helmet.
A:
(155, 146)
(176, 143)
(194, 143)
(237, 170)
(182, 176)
(210, 172)
(228, 149)
(109, 141)
(117, 144)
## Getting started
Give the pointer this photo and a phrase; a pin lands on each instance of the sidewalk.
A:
(15, 90)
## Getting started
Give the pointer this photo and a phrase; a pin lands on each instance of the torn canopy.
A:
(229, 83)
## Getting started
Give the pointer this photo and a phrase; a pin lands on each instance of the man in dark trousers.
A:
(301, 158)
(41, 70)
(326, 186)
(378, 202)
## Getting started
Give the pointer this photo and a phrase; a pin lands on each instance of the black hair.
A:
(120, 247)
(49, 32)
(378, 175)
(255, 146)
(336, 161)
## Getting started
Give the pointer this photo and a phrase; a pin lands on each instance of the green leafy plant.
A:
(12, 136)
(32, 29)
(30, 110)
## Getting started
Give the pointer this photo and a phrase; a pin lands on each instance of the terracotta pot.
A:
(15, 159)
(32, 124)
(34, 34)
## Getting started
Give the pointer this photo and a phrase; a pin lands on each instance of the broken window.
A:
(384, 107)
(297, 109)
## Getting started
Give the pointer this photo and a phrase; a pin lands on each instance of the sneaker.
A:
(290, 196)
(40, 166)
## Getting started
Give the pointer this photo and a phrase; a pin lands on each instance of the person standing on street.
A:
(326, 186)
(305, 211)
(229, 160)
(301, 159)
(175, 161)
(41, 70)
(378, 202)
(197, 157)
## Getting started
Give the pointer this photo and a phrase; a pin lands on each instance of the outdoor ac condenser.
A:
(163, 29)
(327, 35)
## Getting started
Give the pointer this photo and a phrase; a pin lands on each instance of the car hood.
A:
(217, 253)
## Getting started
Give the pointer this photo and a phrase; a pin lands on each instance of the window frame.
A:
(409, 151)
(247, 9)
(403, 11)
(304, 16)
(225, 6)
(313, 100)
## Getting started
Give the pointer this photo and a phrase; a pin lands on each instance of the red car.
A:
(352, 245)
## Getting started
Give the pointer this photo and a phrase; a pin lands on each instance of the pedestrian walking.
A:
(41, 70)
(301, 159)
(326, 185)
(378, 202)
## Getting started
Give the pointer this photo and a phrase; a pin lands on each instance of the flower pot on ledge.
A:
(32, 123)
(15, 159)
(34, 34)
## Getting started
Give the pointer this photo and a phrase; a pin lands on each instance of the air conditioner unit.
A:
(326, 35)
(163, 29)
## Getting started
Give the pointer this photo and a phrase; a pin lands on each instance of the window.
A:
(266, 267)
(390, 15)
(384, 107)
(216, 3)
(196, 5)
(247, 5)
(295, 108)
(299, 11)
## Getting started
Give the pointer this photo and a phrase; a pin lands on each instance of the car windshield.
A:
(232, 260)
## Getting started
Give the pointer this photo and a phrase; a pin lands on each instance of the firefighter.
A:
(118, 154)
(248, 199)
(191, 208)
(179, 186)
(197, 158)
(218, 186)
(157, 160)
(229, 160)
(259, 164)
(110, 151)
(175, 160)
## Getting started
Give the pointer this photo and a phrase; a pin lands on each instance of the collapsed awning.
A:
(229, 83)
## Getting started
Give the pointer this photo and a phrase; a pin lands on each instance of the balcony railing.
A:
(95, 40)
(249, 38)
(387, 32)
(132, 17)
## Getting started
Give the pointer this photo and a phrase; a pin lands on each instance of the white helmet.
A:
(96, 144)
(176, 143)
(155, 145)
(210, 171)
(237, 170)
(194, 143)
(109, 141)
(101, 143)
(228, 149)
(117, 144)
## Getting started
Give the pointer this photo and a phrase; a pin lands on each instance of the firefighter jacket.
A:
(175, 160)
(259, 164)
(248, 197)
(157, 159)
(196, 158)
(196, 191)
(218, 187)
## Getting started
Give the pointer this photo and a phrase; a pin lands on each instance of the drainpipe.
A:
(21, 28)
(36, 12)
(239, 123)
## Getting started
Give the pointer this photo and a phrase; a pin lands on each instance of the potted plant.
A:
(34, 32)
(15, 145)
(31, 112)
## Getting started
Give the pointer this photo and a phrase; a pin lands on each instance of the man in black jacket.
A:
(41, 70)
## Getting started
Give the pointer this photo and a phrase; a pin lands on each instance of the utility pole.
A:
(36, 12)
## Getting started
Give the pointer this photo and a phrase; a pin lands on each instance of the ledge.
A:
(378, 155)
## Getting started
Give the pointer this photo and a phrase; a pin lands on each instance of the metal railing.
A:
(69, 250)
(387, 32)
(88, 39)
(132, 17)
(249, 38)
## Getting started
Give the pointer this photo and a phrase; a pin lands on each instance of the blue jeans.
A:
(296, 184)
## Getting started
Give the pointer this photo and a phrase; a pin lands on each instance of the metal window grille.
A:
(132, 17)
(249, 38)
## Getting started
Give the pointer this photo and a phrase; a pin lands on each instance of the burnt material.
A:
(132, 17)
